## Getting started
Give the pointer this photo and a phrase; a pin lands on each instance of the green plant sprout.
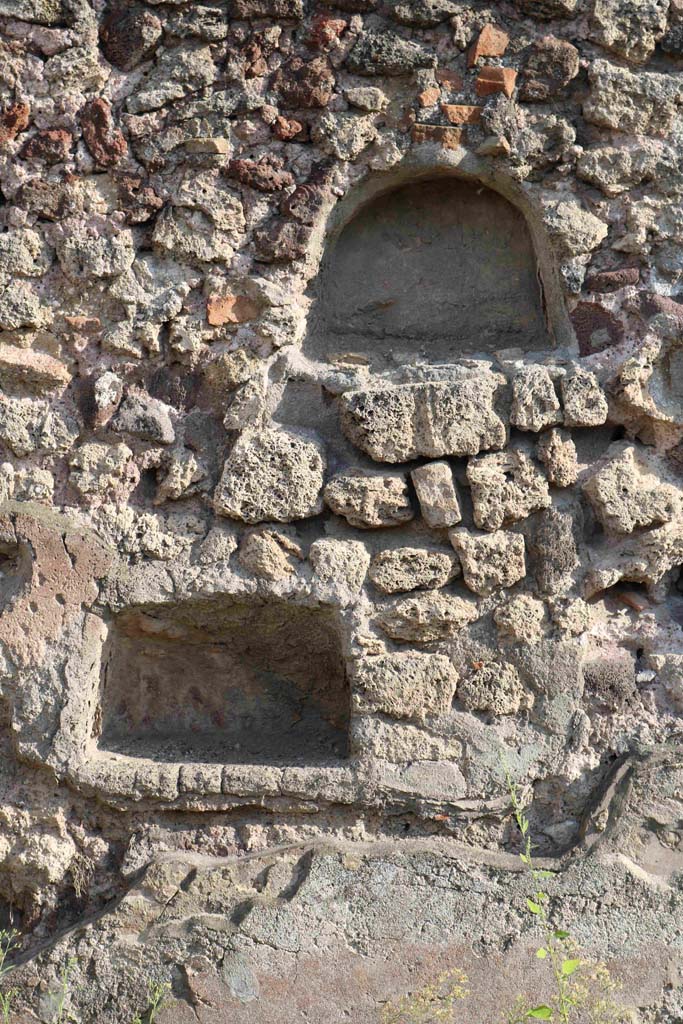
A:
(433, 1004)
(62, 1014)
(8, 943)
(156, 997)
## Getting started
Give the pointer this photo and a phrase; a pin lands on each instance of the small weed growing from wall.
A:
(8, 943)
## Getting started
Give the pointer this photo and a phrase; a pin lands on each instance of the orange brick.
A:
(230, 309)
(449, 138)
(491, 42)
(462, 113)
(429, 97)
(450, 78)
(491, 80)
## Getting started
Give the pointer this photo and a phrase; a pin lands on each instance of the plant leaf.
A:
(542, 953)
(541, 1013)
(533, 907)
(559, 934)
(569, 966)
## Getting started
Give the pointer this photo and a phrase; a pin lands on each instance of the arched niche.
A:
(432, 270)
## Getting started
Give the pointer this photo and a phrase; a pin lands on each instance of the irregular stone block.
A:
(367, 500)
(147, 418)
(506, 487)
(491, 562)
(304, 84)
(640, 558)
(405, 569)
(271, 474)
(627, 28)
(638, 102)
(554, 549)
(344, 135)
(546, 10)
(521, 617)
(495, 688)
(383, 53)
(557, 452)
(340, 568)
(437, 494)
(34, 370)
(534, 402)
(85, 254)
(128, 37)
(268, 554)
(412, 686)
(106, 472)
(427, 617)
(405, 421)
(610, 677)
(584, 402)
(552, 63)
(24, 252)
(573, 230)
(423, 13)
(629, 491)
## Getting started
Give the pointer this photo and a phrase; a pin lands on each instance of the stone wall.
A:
(341, 432)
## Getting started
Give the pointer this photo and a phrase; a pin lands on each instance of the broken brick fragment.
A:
(462, 113)
(450, 138)
(491, 42)
(491, 80)
(429, 97)
(230, 309)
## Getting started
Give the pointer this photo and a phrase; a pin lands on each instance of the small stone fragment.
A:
(495, 688)
(180, 475)
(271, 475)
(557, 452)
(103, 472)
(506, 486)
(492, 80)
(491, 42)
(491, 562)
(144, 417)
(584, 403)
(437, 494)
(269, 554)
(535, 404)
(340, 568)
(423, 13)
(52, 146)
(427, 618)
(637, 102)
(304, 84)
(546, 10)
(367, 500)
(628, 491)
(404, 569)
(627, 28)
(230, 309)
(551, 65)
(367, 97)
(13, 119)
(103, 139)
(292, 9)
(413, 686)
(521, 618)
(610, 677)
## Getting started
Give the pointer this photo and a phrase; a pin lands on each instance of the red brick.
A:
(230, 309)
(462, 113)
(491, 80)
(451, 78)
(449, 138)
(491, 42)
(14, 119)
(429, 97)
(103, 139)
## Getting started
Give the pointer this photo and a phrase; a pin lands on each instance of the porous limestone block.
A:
(369, 500)
(534, 402)
(584, 402)
(506, 487)
(403, 569)
(269, 554)
(427, 617)
(490, 562)
(629, 491)
(400, 422)
(271, 475)
(437, 494)
(557, 452)
(340, 568)
(412, 686)
(521, 618)
(494, 688)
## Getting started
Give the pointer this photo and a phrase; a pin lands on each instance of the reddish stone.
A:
(286, 128)
(491, 80)
(596, 328)
(230, 309)
(103, 139)
(255, 63)
(281, 241)
(462, 113)
(491, 42)
(451, 78)
(429, 97)
(129, 35)
(649, 305)
(307, 200)
(138, 200)
(264, 175)
(449, 138)
(552, 63)
(52, 146)
(325, 32)
(14, 119)
(304, 84)
(606, 281)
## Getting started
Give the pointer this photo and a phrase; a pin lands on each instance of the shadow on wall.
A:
(433, 270)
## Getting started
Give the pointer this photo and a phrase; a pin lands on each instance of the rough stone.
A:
(405, 421)
(549, 68)
(301, 84)
(629, 28)
(505, 487)
(554, 551)
(547, 10)
(106, 142)
(491, 562)
(520, 618)
(557, 452)
(384, 53)
(495, 689)
(437, 494)
(144, 417)
(534, 402)
(641, 102)
(412, 686)
(340, 568)
(423, 13)
(103, 472)
(610, 678)
(269, 554)
(628, 491)
(574, 231)
(369, 500)
(129, 35)
(583, 399)
(427, 618)
(402, 569)
(35, 370)
(271, 475)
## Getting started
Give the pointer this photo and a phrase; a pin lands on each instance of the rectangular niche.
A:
(225, 680)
